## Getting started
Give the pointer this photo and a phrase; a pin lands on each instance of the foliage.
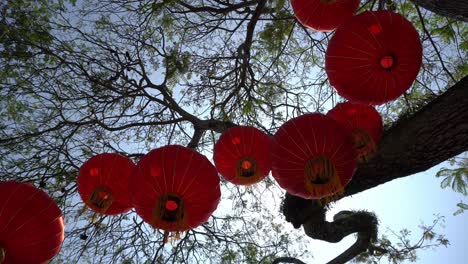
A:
(79, 78)
(404, 249)
(457, 179)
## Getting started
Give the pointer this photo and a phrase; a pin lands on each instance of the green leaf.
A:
(247, 107)
(456, 178)
(462, 205)
(461, 208)
(446, 182)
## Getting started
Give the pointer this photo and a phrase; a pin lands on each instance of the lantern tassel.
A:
(166, 235)
(2, 255)
(94, 218)
(171, 236)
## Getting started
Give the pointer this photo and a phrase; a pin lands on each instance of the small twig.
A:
(381, 4)
(433, 44)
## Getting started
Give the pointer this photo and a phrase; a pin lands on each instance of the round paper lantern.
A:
(242, 155)
(175, 188)
(373, 57)
(364, 122)
(313, 157)
(31, 224)
(323, 15)
(103, 183)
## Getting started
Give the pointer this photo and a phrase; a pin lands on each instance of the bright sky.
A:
(406, 203)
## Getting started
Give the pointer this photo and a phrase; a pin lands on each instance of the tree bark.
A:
(456, 9)
(432, 135)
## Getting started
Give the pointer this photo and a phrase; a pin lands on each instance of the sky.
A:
(406, 203)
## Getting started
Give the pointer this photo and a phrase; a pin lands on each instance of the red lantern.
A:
(364, 122)
(103, 183)
(175, 188)
(31, 224)
(242, 155)
(313, 157)
(373, 57)
(323, 15)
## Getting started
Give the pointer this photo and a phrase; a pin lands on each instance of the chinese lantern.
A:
(323, 15)
(364, 122)
(313, 156)
(242, 155)
(31, 224)
(175, 188)
(103, 183)
(373, 57)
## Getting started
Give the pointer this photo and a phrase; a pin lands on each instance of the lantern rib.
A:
(287, 150)
(236, 146)
(174, 170)
(304, 147)
(225, 146)
(299, 160)
(315, 9)
(189, 165)
(157, 184)
(312, 130)
(337, 149)
(6, 203)
(365, 41)
(38, 242)
(18, 228)
(193, 179)
(19, 208)
(163, 169)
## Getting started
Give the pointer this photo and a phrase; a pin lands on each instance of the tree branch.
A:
(287, 260)
(404, 148)
(311, 215)
(421, 18)
(456, 9)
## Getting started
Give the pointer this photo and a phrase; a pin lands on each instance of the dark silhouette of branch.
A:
(421, 18)
(228, 7)
(456, 9)
(287, 260)
(311, 215)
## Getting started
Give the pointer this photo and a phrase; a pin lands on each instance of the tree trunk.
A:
(456, 9)
(432, 135)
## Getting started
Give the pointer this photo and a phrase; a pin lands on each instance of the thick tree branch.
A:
(214, 10)
(404, 149)
(201, 126)
(245, 48)
(311, 215)
(456, 9)
(363, 243)
(287, 260)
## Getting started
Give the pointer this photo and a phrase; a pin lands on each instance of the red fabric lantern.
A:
(242, 155)
(103, 183)
(31, 224)
(323, 15)
(364, 122)
(175, 188)
(313, 157)
(373, 57)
